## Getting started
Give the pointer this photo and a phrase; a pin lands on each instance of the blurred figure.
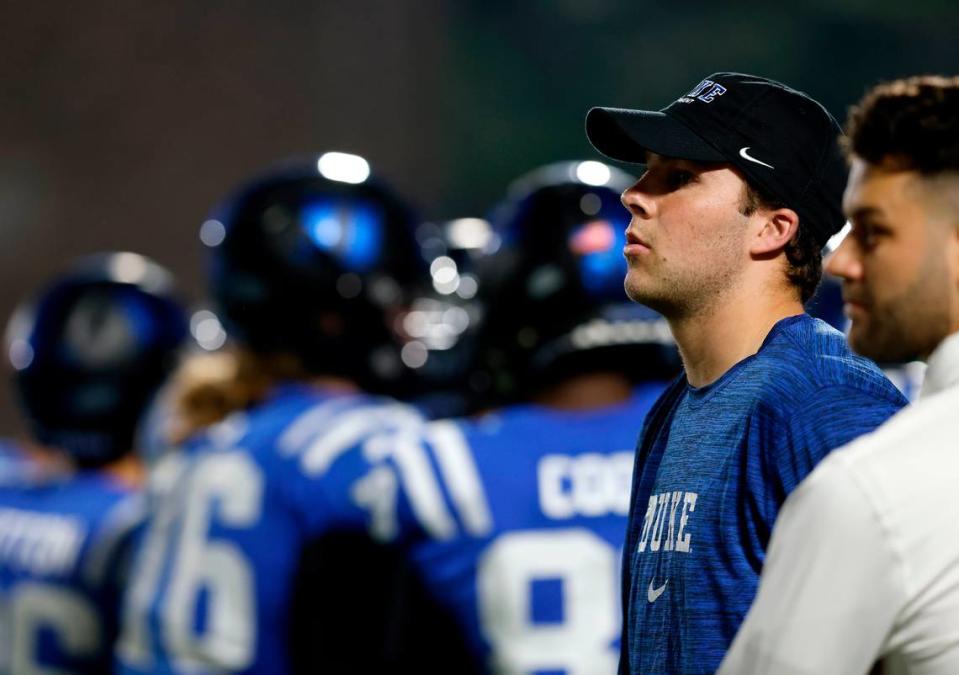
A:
(312, 265)
(864, 561)
(88, 353)
(20, 462)
(827, 304)
(518, 530)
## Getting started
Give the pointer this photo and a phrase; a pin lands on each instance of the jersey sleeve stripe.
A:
(461, 477)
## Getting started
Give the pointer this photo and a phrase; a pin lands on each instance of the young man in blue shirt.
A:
(742, 190)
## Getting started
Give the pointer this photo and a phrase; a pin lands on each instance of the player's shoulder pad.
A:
(324, 433)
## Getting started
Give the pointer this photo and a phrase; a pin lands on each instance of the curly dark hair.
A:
(803, 252)
(913, 123)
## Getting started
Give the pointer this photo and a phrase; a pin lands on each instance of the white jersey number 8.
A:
(587, 568)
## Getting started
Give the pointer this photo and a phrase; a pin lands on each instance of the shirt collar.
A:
(943, 367)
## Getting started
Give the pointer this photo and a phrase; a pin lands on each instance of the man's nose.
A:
(638, 201)
(844, 262)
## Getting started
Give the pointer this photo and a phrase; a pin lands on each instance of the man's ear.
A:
(776, 229)
(953, 253)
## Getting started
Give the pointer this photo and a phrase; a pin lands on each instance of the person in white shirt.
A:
(863, 565)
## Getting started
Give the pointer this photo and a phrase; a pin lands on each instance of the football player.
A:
(519, 532)
(88, 354)
(312, 265)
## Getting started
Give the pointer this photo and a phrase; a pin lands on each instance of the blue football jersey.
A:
(713, 469)
(63, 550)
(517, 528)
(214, 581)
(15, 465)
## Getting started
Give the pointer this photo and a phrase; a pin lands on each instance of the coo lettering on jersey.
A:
(666, 522)
(590, 484)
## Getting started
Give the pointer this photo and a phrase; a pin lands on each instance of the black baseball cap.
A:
(783, 141)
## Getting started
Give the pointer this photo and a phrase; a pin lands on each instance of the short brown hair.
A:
(913, 122)
(803, 252)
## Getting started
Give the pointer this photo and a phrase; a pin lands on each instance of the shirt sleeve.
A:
(832, 417)
(349, 474)
(830, 589)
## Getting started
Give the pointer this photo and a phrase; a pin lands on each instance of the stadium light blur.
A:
(414, 354)
(21, 354)
(343, 167)
(207, 330)
(446, 278)
(212, 233)
(468, 233)
(128, 268)
(593, 173)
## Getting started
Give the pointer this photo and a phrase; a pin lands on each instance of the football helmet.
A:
(90, 351)
(552, 286)
(316, 258)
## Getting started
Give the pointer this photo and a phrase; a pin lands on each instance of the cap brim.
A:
(627, 135)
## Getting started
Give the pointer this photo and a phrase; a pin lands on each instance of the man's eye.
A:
(678, 178)
(867, 235)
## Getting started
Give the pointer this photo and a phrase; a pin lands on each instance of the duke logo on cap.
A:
(780, 139)
(705, 91)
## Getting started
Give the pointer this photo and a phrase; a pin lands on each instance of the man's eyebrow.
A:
(864, 211)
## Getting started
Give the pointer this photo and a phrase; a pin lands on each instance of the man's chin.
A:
(639, 294)
(879, 346)
(654, 301)
(863, 342)
(638, 286)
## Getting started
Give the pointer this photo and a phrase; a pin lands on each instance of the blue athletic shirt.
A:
(713, 467)
(233, 512)
(64, 543)
(517, 529)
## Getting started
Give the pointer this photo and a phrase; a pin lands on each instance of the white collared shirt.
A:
(863, 563)
(942, 371)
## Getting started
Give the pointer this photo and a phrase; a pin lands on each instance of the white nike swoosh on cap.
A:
(744, 155)
(652, 594)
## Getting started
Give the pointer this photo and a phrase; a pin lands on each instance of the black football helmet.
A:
(440, 328)
(552, 286)
(316, 258)
(91, 350)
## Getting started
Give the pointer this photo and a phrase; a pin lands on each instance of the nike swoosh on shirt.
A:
(745, 155)
(652, 594)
